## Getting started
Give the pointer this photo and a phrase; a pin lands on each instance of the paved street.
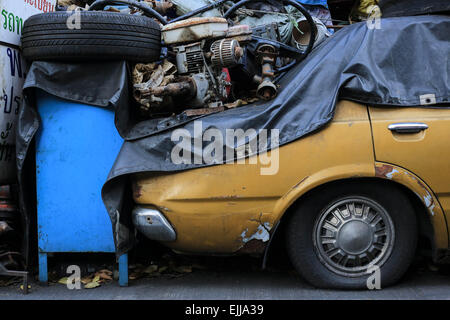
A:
(237, 278)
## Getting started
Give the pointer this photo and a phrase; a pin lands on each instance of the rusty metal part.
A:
(267, 55)
(172, 89)
(193, 21)
(239, 30)
(194, 29)
(15, 273)
(202, 111)
(241, 33)
(257, 242)
(254, 246)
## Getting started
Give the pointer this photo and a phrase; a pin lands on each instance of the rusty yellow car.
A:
(354, 197)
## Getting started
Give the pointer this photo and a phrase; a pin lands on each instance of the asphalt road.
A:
(236, 279)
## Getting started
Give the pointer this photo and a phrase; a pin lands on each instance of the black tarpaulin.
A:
(394, 65)
(399, 8)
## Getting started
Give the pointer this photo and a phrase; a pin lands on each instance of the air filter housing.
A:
(225, 53)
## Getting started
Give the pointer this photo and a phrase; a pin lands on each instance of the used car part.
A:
(296, 5)
(203, 48)
(266, 55)
(101, 36)
(267, 51)
(206, 47)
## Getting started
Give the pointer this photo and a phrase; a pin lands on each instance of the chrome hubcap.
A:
(353, 234)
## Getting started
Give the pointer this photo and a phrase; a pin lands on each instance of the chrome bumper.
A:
(153, 224)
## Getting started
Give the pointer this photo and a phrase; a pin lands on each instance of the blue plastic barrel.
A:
(76, 146)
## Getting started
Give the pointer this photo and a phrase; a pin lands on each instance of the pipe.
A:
(172, 89)
(286, 67)
(100, 4)
(199, 10)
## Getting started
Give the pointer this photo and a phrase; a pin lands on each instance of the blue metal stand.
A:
(123, 269)
(43, 269)
(76, 147)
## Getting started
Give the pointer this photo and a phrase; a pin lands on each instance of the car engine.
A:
(203, 51)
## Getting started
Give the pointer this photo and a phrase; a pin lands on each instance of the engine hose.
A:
(100, 4)
(200, 10)
(296, 5)
(286, 67)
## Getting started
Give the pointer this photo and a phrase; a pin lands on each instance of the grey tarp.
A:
(391, 66)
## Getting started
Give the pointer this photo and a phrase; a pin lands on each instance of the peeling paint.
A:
(427, 199)
(137, 190)
(262, 233)
(390, 175)
(431, 208)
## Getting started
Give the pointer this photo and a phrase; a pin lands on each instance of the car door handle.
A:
(408, 127)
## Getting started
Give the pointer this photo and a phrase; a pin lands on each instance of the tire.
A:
(103, 36)
(344, 258)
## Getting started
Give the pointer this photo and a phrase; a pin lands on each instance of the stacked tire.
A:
(91, 36)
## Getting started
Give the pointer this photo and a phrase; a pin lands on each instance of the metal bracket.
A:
(15, 273)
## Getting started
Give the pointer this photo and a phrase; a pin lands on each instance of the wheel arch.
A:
(430, 216)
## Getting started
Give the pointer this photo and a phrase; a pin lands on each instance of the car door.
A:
(417, 139)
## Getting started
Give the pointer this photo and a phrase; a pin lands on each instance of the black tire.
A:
(103, 36)
(303, 246)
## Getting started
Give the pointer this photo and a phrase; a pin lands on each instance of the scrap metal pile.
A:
(219, 54)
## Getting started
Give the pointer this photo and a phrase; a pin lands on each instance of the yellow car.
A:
(354, 197)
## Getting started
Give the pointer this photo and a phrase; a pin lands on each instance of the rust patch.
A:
(383, 170)
(203, 111)
(389, 172)
(137, 190)
(253, 246)
(193, 22)
(422, 185)
(258, 241)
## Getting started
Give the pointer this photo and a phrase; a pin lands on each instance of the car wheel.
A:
(100, 36)
(344, 235)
